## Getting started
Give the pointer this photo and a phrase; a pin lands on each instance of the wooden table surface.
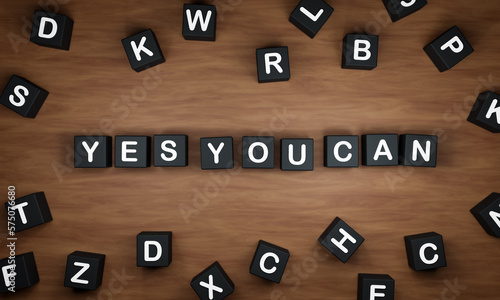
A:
(210, 89)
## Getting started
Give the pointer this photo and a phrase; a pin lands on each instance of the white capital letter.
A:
(422, 254)
(496, 217)
(494, 110)
(21, 211)
(417, 148)
(385, 151)
(216, 152)
(373, 291)
(76, 278)
(264, 154)
(18, 94)
(408, 4)
(125, 150)
(310, 15)
(138, 49)
(198, 16)
(358, 49)
(450, 44)
(146, 250)
(41, 30)
(336, 151)
(275, 63)
(169, 150)
(90, 151)
(302, 155)
(263, 260)
(6, 274)
(340, 244)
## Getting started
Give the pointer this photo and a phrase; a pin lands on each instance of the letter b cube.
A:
(360, 51)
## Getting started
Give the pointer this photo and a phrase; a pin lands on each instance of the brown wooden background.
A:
(210, 89)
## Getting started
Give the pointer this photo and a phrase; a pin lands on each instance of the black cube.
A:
(24, 268)
(212, 283)
(425, 251)
(273, 64)
(310, 15)
(418, 150)
(341, 151)
(487, 213)
(380, 149)
(297, 154)
(258, 152)
(448, 49)
(216, 153)
(375, 286)
(486, 112)
(154, 249)
(170, 150)
(29, 211)
(360, 51)
(269, 261)
(51, 30)
(93, 151)
(132, 151)
(340, 240)
(23, 97)
(143, 50)
(199, 22)
(84, 270)
(399, 9)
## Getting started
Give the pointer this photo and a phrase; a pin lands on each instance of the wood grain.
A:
(210, 89)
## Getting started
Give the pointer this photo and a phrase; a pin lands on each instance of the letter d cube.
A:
(51, 30)
(154, 249)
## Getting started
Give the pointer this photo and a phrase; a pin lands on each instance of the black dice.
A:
(84, 270)
(341, 151)
(297, 154)
(269, 261)
(418, 150)
(310, 15)
(273, 64)
(341, 240)
(216, 153)
(18, 273)
(170, 150)
(486, 112)
(143, 50)
(375, 286)
(425, 251)
(93, 151)
(399, 9)
(51, 30)
(23, 97)
(448, 49)
(132, 151)
(199, 22)
(29, 211)
(380, 149)
(258, 152)
(212, 283)
(487, 213)
(154, 249)
(360, 51)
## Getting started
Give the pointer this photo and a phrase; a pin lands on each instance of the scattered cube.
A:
(380, 149)
(310, 15)
(341, 151)
(216, 153)
(93, 151)
(297, 154)
(273, 64)
(154, 249)
(51, 30)
(487, 213)
(486, 112)
(18, 273)
(360, 51)
(418, 150)
(212, 283)
(23, 97)
(399, 9)
(143, 50)
(132, 151)
(448, 49)
(425, 251)
(199, 22)
(84, 270)
(269, 261)
(29, 211)
(341, 240)
(258, 152)
(170, 150)
(375, 286)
